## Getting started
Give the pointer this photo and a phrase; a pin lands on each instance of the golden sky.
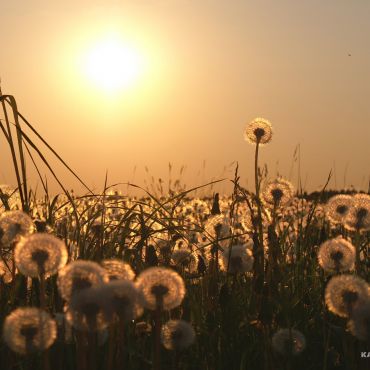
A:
(207, 67)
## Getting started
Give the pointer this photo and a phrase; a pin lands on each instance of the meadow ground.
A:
(236, 307)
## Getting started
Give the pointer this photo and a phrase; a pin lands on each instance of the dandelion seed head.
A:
(288, 342)
(359, 324)
(28, 330)
(177, 335)
(239, 261)
(337, 255)
(184, 258)
(344, 293)
(259, 130)
(79, 275)
(218, 227)
(86, 310)
(278, 192)
(40, 253)
(142, 328)
(13, 226)
(161, 284)
(358, 217)
(182, 244)
(337, 208)
(118, 270)
(122, 300)
(10, 197)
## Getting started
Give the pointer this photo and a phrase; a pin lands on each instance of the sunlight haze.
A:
(117, 86)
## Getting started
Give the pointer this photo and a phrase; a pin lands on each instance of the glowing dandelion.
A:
(14, 225)
(218, 228)
(177, 335)
(86, 310)
(258, 131)
(237, 259)
(79, 275)
(121, 299)
(344, 293)
(278, 192)
(40, 254)
(358, 217)
(161, 287)
(359, 324)
(337, 208)
(337, 255)
(185, 259)
(9, 198)
(118, 270)
(28, 330)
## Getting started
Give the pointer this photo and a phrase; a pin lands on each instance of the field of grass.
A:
(246, 273)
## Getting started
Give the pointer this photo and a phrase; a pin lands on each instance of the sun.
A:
(112, 65)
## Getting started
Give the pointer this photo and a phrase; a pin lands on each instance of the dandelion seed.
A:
(14, 225)
(28, 330)
(79, 275)
(344, 293)
(278, 192)
(182, 244)
(218, 228)
(239, 261)
(337, 255)
(337, 208)
(184, 258)
(121, 299)
(288, 342)
(359, 324)
(118, 270)
(161, 287)
(177, 335)
(258, 131)
(86, 310)
(5, 272)
(9, 198)
(358, 217)
(40, 253)
(142, 328)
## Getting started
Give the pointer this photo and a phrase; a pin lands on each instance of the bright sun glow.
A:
(112, 65)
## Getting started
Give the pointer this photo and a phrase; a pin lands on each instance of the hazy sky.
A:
(208, 67)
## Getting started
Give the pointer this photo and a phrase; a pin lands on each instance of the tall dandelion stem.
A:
(45, 360)
(91, 340)
(157, 333)
(258, 132)
(81, 351)
(260, 251)
(110, 355)
(357, 248)
(42, 290)
(256, 181)
(45, 355)
(120, 342)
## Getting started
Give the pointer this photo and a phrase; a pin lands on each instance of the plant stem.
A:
(92, 350)
(81, 351)
(110, 355)
(42, 291)
(157, 336)
(260, 252)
